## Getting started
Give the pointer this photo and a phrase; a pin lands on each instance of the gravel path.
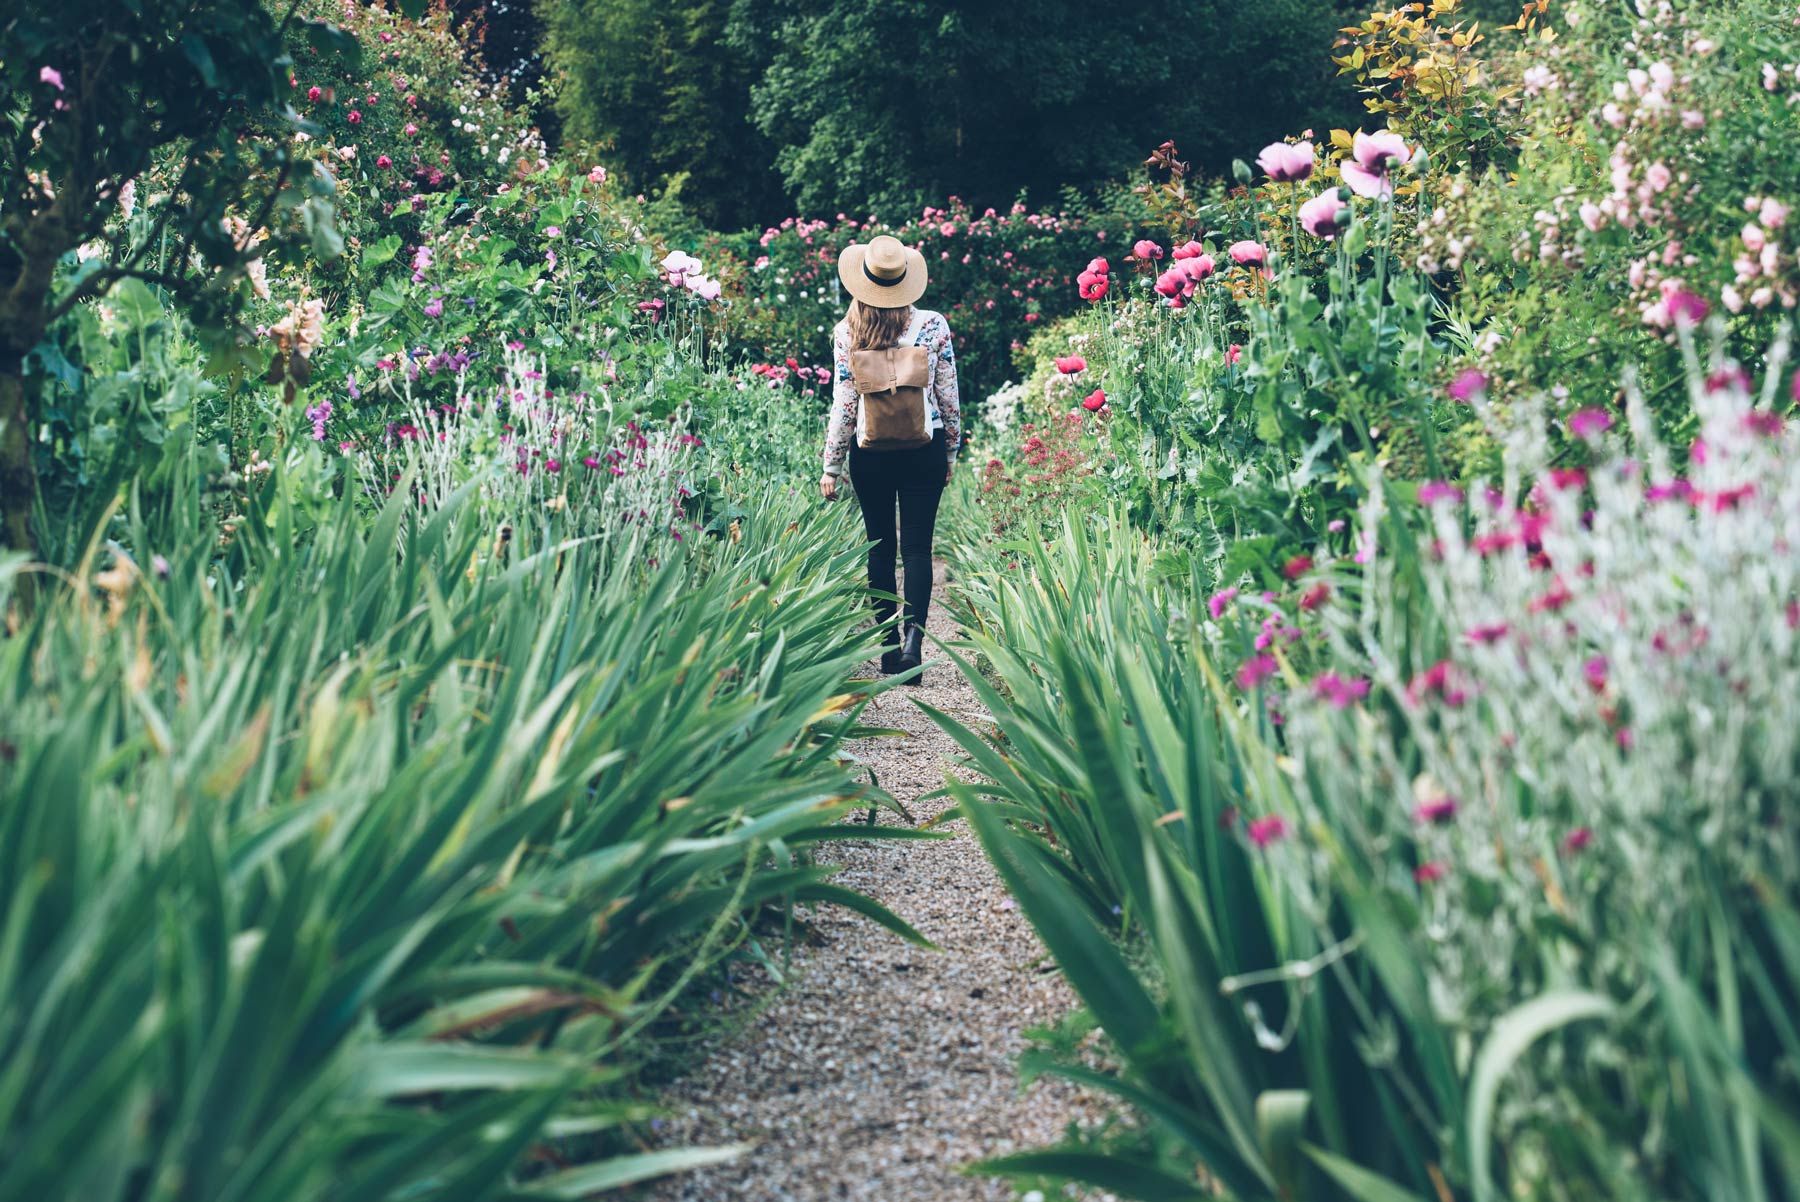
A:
(887, 1066)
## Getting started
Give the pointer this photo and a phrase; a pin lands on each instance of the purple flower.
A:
(1217, 603)
(319, 414)
(434, 307)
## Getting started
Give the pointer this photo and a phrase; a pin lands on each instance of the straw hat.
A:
(886, 273)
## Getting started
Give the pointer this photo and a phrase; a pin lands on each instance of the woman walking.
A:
(895, 415)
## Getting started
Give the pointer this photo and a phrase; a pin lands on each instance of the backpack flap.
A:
(892, 384)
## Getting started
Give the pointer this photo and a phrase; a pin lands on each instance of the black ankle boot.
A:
(912, 652)
(890, 661)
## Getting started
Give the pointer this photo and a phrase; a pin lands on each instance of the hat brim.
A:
(895, 296)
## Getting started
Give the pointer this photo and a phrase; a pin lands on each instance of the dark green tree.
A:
(653, 83)
(904, 101)
(94, 94)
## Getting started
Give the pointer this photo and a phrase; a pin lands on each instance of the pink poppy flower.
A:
(1287, 164)
(1094, 401)
(1091, 285)
(1271, 829)
(1372, 156)
(1233, 353)
(1068, 365)
(1199, 268)
(1146, 249)
(1189, 250)
(1325, 215)
(1248, 254)
(1098, 266)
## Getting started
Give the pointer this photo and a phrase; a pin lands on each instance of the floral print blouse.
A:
(943, 403)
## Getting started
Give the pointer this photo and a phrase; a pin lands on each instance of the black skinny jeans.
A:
(913, 481)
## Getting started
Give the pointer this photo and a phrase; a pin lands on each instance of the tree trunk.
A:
(18, 474)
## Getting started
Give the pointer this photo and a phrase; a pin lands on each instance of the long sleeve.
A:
(843, 406)
(946, 395)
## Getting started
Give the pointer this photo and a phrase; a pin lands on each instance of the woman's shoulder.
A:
(931, 324)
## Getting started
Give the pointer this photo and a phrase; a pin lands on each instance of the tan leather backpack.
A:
(892, 383)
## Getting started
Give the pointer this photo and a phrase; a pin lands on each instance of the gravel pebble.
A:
(887, 1067)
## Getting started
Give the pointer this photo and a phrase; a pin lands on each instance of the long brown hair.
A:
(873, 329)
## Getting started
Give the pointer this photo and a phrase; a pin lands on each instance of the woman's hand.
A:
(828, 487)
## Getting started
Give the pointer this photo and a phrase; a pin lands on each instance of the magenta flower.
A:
(313, 93)
(1468, 382)
(1433, 491)
(51, 76)
(552, 466)
(1267, 830)
(1436, 812)
(1562, 478)
(1315, 596)
(1577, 840)
(1287, 164)
(1325, 215)
(1430, 872)
(383, 162)
(1297, 567)
(1248, 253)
(1340, 692)
(1219, 601)
(1189, 250)
(1091, 285)
(1491, 633)
(355, 118)
(590, 462)
(1686, 309)
(1146, 249)
(1255, 670)
(1372, 156)
(1590, 423)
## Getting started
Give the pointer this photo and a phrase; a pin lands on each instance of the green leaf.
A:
(1281, 1128)
(196, 51)
(1515, 1032)
(1127, 1178)
(628, 1170)
(1358, 1182)
(398, 1069)
(327, 38)
(377, 253)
